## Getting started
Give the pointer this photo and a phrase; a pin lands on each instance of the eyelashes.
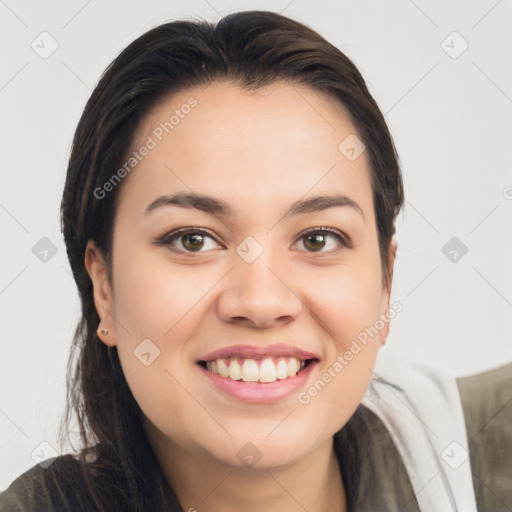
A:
(194, 239)
(322, 234)
(170, 239)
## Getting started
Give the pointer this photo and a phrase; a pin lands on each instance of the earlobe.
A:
(103, 298)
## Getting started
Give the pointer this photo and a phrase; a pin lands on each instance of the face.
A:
(244, 236)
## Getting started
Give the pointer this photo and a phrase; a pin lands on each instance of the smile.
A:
(264, 370)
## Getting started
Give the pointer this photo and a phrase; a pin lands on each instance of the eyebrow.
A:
(213, 206)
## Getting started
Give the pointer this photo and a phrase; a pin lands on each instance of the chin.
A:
(263, 452)
(253, 457)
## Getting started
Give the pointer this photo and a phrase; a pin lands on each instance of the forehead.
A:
(272, 144)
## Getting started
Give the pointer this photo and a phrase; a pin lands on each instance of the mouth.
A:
(263, 370)
(258, 374)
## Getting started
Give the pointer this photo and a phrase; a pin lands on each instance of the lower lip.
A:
(258, 392)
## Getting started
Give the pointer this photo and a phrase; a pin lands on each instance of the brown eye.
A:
(188, 240)
(324, 240)
(192, 241)
(314, 242)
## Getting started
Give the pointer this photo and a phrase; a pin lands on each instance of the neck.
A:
(203, 484)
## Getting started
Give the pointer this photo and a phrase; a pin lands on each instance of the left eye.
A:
(190, 241)
(322, 240)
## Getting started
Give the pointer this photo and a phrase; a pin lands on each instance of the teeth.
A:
(281, 369)
(268, 372)
(293, 366)
(223, 368)
(235, 372)
(252, 370)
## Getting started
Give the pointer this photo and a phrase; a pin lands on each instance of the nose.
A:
(258, 295)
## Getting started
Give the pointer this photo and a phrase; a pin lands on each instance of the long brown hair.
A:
(251, 49)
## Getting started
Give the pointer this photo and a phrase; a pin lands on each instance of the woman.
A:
(229, 216)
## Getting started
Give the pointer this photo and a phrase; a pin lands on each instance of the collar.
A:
(421, 408)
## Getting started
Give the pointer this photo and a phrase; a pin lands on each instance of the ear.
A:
(103, 297)
(386, 291)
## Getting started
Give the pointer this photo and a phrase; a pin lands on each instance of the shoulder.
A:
(473, 411)
(487, 403)
(92, 481)
(54, 485)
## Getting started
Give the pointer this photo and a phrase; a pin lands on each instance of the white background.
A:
(451, 119)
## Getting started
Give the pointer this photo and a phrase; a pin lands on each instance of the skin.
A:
(259, 152)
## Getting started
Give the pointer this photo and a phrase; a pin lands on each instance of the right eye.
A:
(189, 240)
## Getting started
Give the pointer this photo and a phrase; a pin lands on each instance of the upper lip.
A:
(257, 352)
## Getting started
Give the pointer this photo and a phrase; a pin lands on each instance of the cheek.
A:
(347, 306)
(156, 299)
(346, 300)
